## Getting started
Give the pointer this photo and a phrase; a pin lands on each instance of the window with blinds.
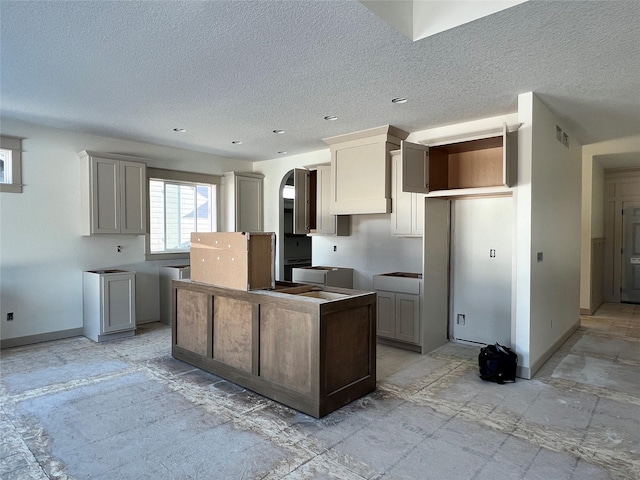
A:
(177, 208)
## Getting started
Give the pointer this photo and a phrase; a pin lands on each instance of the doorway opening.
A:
(296, 249)
(621, 252)
(630, 282)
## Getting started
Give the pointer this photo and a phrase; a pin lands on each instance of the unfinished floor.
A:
(127, 410)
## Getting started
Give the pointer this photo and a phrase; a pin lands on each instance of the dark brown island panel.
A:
(308, 347)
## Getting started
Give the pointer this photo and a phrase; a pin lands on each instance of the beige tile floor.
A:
(73, 409)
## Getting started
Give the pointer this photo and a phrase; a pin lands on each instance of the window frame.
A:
(14, 144)
(177, 176)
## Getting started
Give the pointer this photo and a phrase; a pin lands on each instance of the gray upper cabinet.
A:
(415, 167)
(482, 164)
(311, 204)
(301, 202)
(361, 170)
(113, 189)
(244, 201)
(407, 214)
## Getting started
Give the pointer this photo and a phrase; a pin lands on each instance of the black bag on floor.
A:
(497, 363)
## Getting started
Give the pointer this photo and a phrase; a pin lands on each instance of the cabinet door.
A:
(105, 197)
(400, 201)
(509, 157)
(301, 201)
(133, 198)
(415, 167)
(417, 213)
(249, 204)
(118, 303)
(325, 222)
(360, 177)
(407, 318)
(386, 311)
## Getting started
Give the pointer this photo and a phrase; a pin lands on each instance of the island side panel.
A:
(347, 341)
(193, 312)
(232, 332)
(288, 350)
(348, 352)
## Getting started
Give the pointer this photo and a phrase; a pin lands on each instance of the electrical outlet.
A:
(335, 248)
(10, 317)
(461, 320)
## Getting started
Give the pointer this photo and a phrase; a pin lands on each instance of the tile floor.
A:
(73, 409)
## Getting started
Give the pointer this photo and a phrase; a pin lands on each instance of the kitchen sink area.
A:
(399, 282)
(324, 275)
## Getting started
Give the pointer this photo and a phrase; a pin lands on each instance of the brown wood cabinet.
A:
(477, 166)
(311, 348)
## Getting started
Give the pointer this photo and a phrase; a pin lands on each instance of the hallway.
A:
(126, 409)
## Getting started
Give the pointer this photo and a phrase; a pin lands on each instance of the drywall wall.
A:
(521, 331)
(42, 254)
(555, 233)
(370, 249)
(275, 173)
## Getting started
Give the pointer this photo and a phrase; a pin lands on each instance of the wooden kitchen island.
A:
(311, 348)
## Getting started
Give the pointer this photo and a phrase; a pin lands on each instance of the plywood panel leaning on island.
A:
(238, 260)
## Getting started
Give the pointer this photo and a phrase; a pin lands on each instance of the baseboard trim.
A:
(41, 337)
(404, 346)
(528, 372)
(592, 310)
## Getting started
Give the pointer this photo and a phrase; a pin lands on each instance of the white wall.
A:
(42, 254)
(370, 248)
(555, 228)
(275, 170)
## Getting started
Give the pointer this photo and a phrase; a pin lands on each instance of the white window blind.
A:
(178, 207)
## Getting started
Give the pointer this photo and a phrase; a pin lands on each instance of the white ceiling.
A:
(228, 71)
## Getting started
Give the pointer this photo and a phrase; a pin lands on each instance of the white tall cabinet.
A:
(113, 194)
(244, 202)
(109, 304)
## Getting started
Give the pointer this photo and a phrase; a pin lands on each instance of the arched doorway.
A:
(295, 249)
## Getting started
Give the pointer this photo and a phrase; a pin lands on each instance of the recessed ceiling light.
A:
(282, 152)
(180, 130)
(330, 118)
(237, 142)
(278, 131)
(399, 100)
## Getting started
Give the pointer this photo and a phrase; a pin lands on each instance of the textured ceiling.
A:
(228, 71)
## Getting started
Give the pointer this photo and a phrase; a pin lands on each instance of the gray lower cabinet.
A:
(167, 274)
(321, 275)
(398, 308)
(109, 304)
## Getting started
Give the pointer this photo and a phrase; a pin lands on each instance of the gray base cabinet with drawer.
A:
(398, 308)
